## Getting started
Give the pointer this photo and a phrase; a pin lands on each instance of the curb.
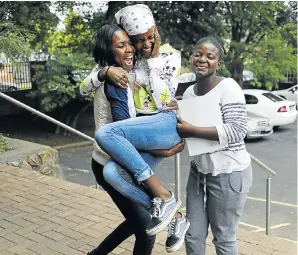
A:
(72, 145)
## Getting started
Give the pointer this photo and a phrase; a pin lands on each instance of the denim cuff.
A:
(144, 175)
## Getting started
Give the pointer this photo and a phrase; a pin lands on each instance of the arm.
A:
(98, 75)
(234, 113)
(92, 81)
(121, 102)
(187, 130)
(168, 153)
(234, 118)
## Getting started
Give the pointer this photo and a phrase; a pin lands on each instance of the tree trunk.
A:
(58, 128)
(113, 7)
(236, 70)
(77, 115)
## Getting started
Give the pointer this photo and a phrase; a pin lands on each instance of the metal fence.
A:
(15, 76)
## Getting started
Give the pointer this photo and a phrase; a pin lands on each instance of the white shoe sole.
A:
(165, 223)
(178, 245)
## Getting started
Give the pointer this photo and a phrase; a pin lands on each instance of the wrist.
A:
(102, 74)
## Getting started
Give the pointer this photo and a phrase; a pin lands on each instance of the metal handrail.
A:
(176, 158)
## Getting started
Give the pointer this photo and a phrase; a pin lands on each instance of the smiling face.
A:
(123, 50)
(205, 60)
(144, 42)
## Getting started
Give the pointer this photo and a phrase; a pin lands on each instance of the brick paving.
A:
(48, 216)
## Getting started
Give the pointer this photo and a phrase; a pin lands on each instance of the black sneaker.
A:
(163, 212)
(176, 233)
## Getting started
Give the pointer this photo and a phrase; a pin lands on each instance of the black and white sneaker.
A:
(162, 213)
(176, 233)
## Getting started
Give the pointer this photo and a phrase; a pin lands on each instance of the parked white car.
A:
(280, 111)
(258, 126)
(288, 94)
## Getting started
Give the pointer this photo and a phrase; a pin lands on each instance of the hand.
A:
(177, 148)
(138, 85)
(184, 128)
(173, 104)
(168, 153)
(157, 42)
(118, 76)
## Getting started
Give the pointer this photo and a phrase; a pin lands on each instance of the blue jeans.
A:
(122, 139)
(123, 182)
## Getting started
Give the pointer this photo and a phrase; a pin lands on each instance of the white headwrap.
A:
(135, 19)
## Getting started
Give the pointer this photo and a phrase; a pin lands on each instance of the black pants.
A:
(136, 221)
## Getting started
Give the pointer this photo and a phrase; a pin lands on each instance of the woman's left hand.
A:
(184, 128)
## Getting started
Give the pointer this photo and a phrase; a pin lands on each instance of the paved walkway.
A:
(47, 216)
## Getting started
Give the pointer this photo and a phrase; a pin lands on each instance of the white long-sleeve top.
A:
(231, 99)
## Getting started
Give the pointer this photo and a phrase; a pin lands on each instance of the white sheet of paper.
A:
(203, 111)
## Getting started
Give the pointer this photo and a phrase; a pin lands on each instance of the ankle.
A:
(165, 195)
(178, 215)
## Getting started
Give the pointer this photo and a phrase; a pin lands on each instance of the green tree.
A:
(58, 82)
(77, 36)
(12, 41)
(248, 23)
(243, 29)
(33, 17)
(274, 57)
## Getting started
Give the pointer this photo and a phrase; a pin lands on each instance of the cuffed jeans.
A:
(136, 220)
(122, 140)
(125, 184)
(226, 195)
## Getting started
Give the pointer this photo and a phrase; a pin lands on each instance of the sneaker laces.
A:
(156, 207)
(172, 225)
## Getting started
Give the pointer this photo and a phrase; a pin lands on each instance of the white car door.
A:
(259, 105)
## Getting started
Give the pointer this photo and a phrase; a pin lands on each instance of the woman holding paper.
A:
(219, 180)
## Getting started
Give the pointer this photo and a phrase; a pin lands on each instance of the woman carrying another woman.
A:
(158, 86)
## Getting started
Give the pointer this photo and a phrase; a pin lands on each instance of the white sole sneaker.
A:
(178, 245)
(166, 222)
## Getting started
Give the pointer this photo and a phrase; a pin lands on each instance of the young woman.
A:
(113, 47)
(218, 182)
(158, 85)
(110, 38)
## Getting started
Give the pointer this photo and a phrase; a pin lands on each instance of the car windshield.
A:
(272, 97)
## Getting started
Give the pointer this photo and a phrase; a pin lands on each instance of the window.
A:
(273, 97)
(289, 78)
(250, 99)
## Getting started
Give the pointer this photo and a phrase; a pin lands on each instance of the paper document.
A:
(131, 81)
(202, 111)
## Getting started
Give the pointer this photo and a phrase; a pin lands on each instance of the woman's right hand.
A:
(173, 104)
(118, 76)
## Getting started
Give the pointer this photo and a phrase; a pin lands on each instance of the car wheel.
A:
(276, 127)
